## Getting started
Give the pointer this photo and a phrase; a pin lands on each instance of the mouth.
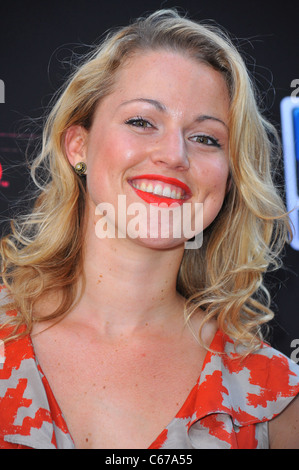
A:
(160, 189)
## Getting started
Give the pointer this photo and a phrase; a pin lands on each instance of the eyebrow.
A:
(161, 107)
(155, 103)
(205, 117)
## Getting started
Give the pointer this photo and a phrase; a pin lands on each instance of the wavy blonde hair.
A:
(225, 276)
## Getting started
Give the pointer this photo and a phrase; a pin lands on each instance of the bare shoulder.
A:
(284, 429)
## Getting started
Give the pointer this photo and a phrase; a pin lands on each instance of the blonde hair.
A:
(225, 276)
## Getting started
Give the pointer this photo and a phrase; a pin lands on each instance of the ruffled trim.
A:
(234, 392)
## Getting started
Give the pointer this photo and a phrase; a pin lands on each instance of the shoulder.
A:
(260, 385)
(238, 394)
(7, 307)
(284, 428)
(11, 351)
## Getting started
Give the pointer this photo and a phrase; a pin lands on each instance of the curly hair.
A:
(225, 276)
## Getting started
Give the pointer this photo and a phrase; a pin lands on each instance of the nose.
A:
(171, 151)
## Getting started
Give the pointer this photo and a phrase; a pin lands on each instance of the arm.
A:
(284, 429)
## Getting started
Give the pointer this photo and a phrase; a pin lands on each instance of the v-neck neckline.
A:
(182, 412)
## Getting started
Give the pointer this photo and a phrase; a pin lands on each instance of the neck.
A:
(129, 285)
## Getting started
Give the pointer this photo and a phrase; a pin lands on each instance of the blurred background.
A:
(39, 39)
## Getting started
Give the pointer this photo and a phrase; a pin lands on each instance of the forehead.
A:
(181, 83)
(153, 66)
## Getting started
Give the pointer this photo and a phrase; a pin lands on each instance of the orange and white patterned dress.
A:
(228, 408)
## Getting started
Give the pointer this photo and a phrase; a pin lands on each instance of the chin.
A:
(159, 243)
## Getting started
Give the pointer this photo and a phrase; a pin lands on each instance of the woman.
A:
(119, 336)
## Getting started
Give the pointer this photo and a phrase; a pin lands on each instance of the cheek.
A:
(111, 155)
(108, 162)
(214, 181)
(213, 175)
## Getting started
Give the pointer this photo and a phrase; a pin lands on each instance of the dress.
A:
(228, 408)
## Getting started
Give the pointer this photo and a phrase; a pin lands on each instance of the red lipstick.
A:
(149, 197)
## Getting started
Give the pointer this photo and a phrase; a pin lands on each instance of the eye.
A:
(206, 140)
(139, 122)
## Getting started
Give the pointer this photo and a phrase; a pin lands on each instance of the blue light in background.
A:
(289, 108)
(296, 131)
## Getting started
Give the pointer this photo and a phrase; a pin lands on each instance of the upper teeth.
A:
(159, 188)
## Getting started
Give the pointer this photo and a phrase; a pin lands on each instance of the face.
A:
(160, 136)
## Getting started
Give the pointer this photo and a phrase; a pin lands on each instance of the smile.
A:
(158, 189)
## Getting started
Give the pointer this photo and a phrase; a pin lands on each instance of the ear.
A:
(75, 140)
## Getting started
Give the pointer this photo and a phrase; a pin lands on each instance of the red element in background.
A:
(4, 184)
(11, 135)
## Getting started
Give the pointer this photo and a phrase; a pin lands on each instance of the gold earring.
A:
(80, 168)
